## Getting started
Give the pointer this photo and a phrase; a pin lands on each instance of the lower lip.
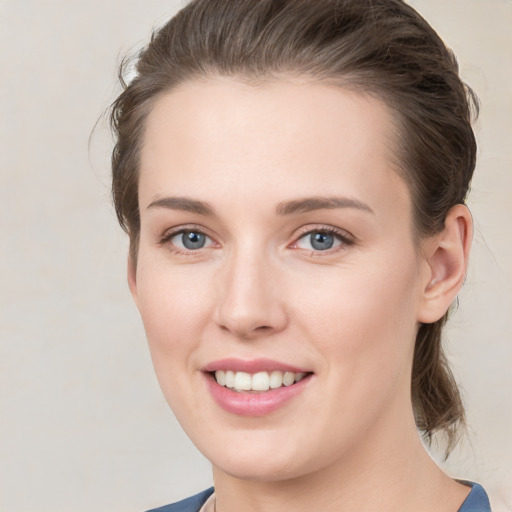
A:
(254, 404)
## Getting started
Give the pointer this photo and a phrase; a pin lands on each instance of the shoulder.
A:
(477, 500)
(192, 504)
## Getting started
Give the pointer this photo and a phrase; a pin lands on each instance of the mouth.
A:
(256, 387)
(258, 382)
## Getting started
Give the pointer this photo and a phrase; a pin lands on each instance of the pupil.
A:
(322, 241)
(192, 240)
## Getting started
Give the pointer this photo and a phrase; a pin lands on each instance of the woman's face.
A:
(277, 244)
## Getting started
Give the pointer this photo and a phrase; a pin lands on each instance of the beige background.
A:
(83, 426)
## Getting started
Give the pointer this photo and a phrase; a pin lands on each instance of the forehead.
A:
(282, 137)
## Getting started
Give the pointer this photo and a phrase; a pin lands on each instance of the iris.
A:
(193, 240)
(321, 241)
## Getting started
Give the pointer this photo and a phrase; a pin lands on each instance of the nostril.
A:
(248, 333)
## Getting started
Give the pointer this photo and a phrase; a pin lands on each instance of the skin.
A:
(258, 289)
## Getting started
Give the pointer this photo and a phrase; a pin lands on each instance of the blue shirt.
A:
(477, 501)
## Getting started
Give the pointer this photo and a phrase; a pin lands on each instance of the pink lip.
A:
(252, 366)
(253, 404)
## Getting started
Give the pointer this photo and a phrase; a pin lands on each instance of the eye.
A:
(321, 240)
(188, 240)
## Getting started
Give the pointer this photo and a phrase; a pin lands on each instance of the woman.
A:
(292, 175)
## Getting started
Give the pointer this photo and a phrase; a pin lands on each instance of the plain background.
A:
(83, 425)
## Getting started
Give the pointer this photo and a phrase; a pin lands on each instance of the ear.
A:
(446, 260)
(132, 279)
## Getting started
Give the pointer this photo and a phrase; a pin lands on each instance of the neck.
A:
(390, 472)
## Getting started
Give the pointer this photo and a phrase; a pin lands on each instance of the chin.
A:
(260, 470)
(260, 460)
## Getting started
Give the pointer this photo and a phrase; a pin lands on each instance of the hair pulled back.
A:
(379, 47)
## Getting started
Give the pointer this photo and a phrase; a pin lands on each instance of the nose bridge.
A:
(250, 303)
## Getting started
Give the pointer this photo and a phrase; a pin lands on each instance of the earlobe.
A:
(446, 257)
(132, 279)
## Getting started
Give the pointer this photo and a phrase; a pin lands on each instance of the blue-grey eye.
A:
(190, 240)
(193, 240)
(319, 241)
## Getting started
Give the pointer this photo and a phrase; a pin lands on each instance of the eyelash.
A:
(169, 235)
(342, 236)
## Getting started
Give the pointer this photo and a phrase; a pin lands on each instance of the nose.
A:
(251, 302)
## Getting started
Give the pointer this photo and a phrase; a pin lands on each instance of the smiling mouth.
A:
(244, 382)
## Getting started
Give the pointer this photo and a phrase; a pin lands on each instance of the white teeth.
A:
(288, 378)
(243, 381)
(261, 381)
(220, 377)
(276, 379)
(230, 379)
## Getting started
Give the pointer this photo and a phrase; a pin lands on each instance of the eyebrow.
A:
(183, 203)
(309, 204)
(304, 205)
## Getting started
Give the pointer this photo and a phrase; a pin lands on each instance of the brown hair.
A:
(380, 47)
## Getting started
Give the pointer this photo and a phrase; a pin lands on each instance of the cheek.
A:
(175, 304)
(363, 329)
(364, 318)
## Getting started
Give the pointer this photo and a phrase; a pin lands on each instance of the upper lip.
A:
(252, 366)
